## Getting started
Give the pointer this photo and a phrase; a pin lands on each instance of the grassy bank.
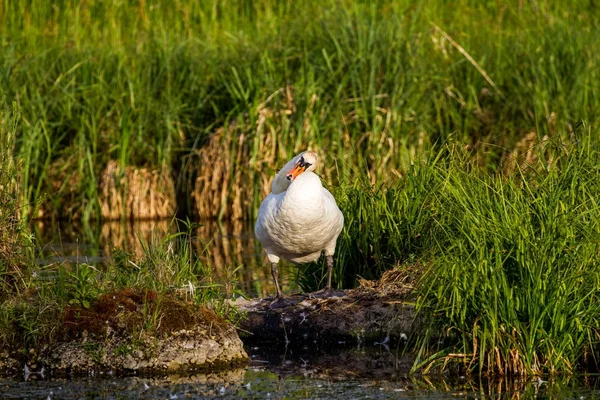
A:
(509, 265)
(515, 278)
(165, 289)
(215, 98)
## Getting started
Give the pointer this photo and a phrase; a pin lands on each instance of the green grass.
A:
(510, 263)
(384, 226)
(145, 83)
(515, 278)
(16, 242)
(49, 295)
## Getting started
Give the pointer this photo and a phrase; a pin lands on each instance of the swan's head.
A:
(306, 161)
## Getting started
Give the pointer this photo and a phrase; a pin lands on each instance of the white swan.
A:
(299, 219)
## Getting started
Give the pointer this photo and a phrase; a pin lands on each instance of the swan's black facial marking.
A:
(304, 164)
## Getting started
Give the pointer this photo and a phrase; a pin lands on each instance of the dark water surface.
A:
(295, 381)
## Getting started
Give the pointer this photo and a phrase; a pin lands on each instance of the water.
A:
(251, 383)
(298, 378)
(230, 248)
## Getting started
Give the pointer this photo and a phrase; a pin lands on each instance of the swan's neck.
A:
(281, 183)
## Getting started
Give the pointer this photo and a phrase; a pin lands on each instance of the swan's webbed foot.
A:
(283, 302)
(325, 293)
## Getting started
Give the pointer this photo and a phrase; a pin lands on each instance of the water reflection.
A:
(328, 372)
(268, 381)
(229, 247)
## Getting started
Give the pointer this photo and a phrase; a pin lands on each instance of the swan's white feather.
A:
(299, 223)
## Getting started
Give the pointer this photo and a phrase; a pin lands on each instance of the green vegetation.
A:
(15, 242)
(511, 270)
(55, 298)
(450, 135)
(148, 83)
(516, 275)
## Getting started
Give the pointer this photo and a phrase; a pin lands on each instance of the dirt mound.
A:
(138, 331)
(375, 312)
(129, 311)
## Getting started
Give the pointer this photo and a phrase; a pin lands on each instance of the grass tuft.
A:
(15, 240)
(514, 283)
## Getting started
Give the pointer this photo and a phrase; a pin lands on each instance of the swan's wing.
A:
(267, 215)
(333, 217)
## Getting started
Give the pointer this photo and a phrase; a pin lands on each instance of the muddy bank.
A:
(187, 350)
(375, 312)
(129, 332)
(141, 332)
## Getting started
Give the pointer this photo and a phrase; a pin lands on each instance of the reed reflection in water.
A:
(230, 248)
(304, 379)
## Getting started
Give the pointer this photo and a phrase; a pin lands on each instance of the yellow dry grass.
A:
(399, 281)
(216, 174)
(527, 151)
(525, 154)
(136, 193)
(237, 159)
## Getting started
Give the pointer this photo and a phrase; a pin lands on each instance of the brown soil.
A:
(128, 310)
(134, 331)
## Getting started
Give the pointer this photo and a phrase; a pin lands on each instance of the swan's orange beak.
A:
(299, 168)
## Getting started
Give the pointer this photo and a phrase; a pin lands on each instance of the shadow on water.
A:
(229, 247)
(383, 372)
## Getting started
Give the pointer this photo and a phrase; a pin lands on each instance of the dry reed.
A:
(136, 193)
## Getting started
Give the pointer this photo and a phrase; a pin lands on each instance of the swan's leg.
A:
(329, 271)
(280, 300)
(327, 291)
(275, 273)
